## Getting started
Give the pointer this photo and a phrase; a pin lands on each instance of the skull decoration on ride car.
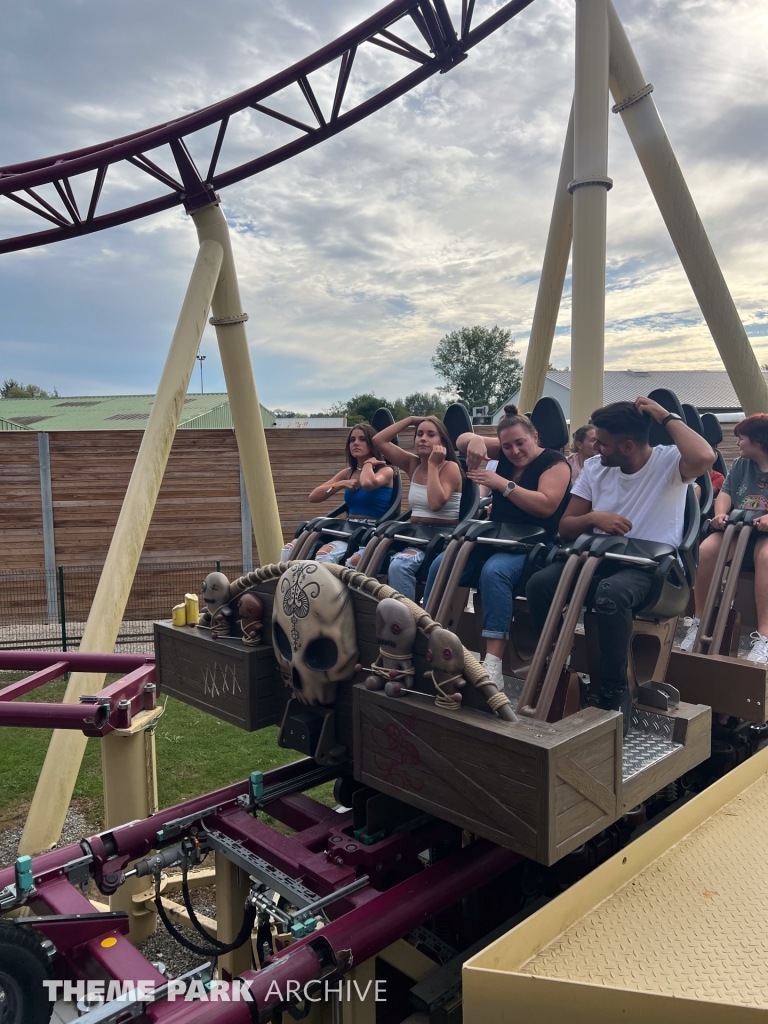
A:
(313, 632)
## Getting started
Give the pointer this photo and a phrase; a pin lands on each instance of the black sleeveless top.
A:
(505, 511)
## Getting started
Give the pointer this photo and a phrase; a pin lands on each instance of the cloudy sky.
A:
(357, 257)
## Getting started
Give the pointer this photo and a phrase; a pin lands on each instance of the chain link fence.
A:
(42, 610)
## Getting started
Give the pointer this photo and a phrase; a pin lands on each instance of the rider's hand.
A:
(610, 522)
(721, 521)
(437, 455)
(476, 452)
(487, 478)
(374, 463)
(761, 524)
(654, 410)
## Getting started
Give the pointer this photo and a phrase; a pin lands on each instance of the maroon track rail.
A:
(444, 46)
(111, 708)
(361, 925)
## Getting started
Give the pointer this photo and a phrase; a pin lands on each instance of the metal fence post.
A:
(246, 526)
(62, 611)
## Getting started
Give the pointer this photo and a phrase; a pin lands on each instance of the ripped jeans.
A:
(403, 569)
(613, 593)
(333, 551)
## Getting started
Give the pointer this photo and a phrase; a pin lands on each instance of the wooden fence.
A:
(197, 516)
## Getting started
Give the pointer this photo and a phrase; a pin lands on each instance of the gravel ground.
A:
(162, 946)
(75, 828)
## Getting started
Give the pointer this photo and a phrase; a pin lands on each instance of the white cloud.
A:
(357, 256)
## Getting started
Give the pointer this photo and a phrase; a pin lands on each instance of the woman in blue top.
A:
(365, 485)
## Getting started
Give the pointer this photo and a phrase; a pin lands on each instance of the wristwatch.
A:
(671, 416)
(510, 487)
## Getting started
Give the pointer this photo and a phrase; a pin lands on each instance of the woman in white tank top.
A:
(435, 492)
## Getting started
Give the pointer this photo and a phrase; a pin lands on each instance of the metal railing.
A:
(43, 610)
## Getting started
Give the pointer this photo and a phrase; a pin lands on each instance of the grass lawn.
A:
(195, 754)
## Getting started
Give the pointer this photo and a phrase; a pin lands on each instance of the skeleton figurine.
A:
(313, 632)
(396, 633)
(251, 611)
(446, 655)
(216, 597)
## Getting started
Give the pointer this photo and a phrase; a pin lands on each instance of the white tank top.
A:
(420, 507)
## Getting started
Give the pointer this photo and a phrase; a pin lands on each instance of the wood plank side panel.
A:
(588, 791)
(197, 516)
(21, 514)
(396, 756)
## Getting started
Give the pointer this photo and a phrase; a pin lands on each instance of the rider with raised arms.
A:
(633, 490)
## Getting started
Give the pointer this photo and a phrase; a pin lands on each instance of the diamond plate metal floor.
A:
(691, 924)
(649, 739)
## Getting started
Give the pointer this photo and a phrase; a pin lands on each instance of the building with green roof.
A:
(114, 412)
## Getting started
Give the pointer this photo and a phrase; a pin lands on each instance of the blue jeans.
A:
(498, 577)
(402, 571)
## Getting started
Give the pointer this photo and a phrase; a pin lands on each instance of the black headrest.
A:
(548, 418)
(670, 401)
(457, 421)
(383, 418)
(713, 432)
(692, 418)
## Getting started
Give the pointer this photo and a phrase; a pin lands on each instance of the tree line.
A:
(479, 366)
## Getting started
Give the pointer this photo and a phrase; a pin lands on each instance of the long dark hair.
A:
(369, 432)
(450, 451)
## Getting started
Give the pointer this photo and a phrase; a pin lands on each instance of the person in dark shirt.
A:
(530, 487)
(746, 486)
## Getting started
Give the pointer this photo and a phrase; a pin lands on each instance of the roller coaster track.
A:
(443, 47)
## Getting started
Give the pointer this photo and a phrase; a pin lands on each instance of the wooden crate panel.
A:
(537, 788)
(224, 678)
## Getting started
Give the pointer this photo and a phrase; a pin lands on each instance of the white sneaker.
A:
(759, 652)
(690, 636)
(493, 668)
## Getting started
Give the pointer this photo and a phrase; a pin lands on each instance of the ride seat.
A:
(432, 538)
(704, 482)
(673, 574)
(448, 601)
(713, 432)
(355, 531)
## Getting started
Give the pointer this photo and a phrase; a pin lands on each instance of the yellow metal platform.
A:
(674, 928)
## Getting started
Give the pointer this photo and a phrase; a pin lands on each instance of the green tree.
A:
(479, 365)
(11, 388)
(359, 409)
(422, 403)
(558, 369)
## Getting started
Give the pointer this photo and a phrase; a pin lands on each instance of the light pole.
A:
(200, 360)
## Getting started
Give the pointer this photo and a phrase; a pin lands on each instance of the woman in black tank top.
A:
(541, 484)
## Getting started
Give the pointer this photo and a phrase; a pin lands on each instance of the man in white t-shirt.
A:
(632, 490)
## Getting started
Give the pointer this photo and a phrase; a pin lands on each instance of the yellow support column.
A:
(589, 188)
(550, 292)
(65, 753)
(128, 760)
(657, 158)
(232, 888)
(229, 320)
